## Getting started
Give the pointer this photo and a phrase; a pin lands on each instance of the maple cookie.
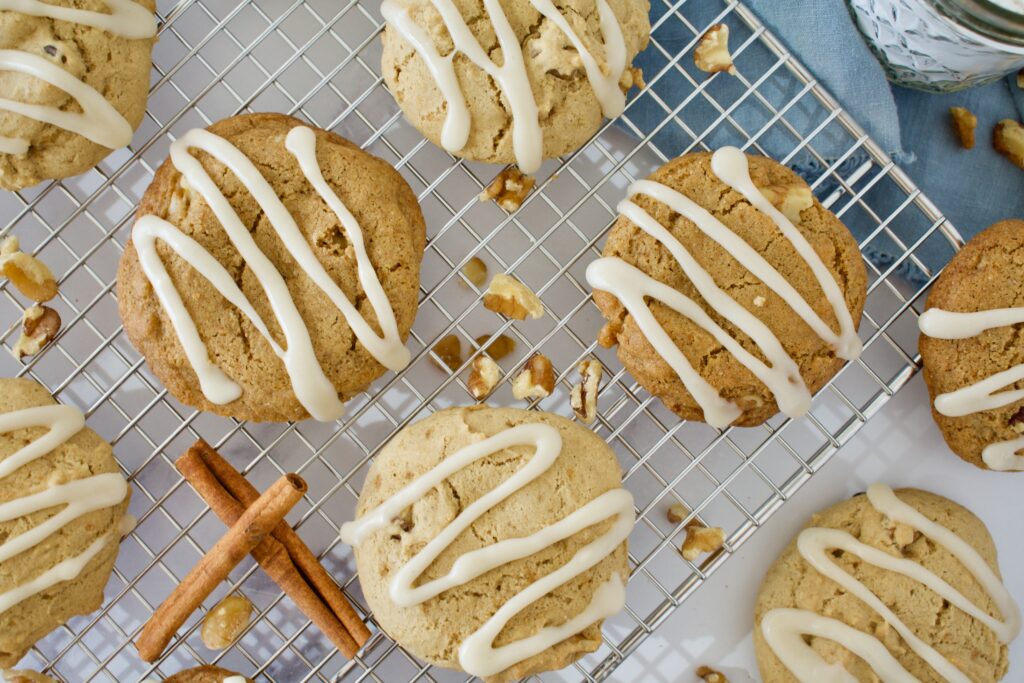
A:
(889, 585)
(529, 82)
(732, 293)
(493, 540)
(207, 674)
(973, 352)
(273, 270)
(62, 514)
(74, 84)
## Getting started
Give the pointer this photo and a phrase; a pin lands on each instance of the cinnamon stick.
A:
(270, 553)
(254, 525)
(322, 582)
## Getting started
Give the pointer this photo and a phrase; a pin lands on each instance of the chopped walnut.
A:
(964, 124)
(26, 676)
(449, 350)
(711, 676)
(712, 53)
(483, 377)
(509, 189)
(475, 271)
(790, 199)
(1016, 421)
(225, 622)
(702, 539)
(609, 334)
(513, 299)
(1008, 139)
(30, 275)
(584, 394)
(39, 326)
(499, 348)
(677, 512)
(537, 379)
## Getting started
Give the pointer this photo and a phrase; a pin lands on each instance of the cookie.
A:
(279, 289)
(732, 293)
(566, 68)
(485, 482)
(207, 674)
(76, 75)
(973, 352)
(889, 586)
(65, 501)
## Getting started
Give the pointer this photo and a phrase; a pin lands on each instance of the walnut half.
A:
(1008, 139)
(712, 53)
(537, 380)
(513, 299)
(584, 394)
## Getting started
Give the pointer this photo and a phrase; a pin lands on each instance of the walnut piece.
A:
(1016, 421)
(475, 271)
(711, 676)
(30, 275)
(511, 298)
(499, 348)
(225, 622)
(964, 125)
(537, 379)
(712, 53)
(509, 189)
(1008, 139)
(790, 199)
(483, 377)
(701, 539)
(677, 512)
(39, 325)
(584, 395)
(26, 676)
(449, 350)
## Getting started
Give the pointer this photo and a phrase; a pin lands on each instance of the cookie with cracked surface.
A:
(444, 627)
(76, 74)
(207, 674)
(882, 546)
(569, 70)
(959, 349)
(65, 502)
(731, 292)
(299, 269)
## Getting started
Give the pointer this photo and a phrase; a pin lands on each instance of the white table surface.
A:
(900, 446)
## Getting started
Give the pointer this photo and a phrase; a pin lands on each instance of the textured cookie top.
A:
(552, 87)
(393, 234)
(113, 65)
(961, 642)
(204, 674)
(584, 470)
(985, 276)
(742, 396)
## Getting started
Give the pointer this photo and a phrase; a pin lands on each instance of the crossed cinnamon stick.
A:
(275, 546)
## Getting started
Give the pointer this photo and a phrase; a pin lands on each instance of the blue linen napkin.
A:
(973, 188)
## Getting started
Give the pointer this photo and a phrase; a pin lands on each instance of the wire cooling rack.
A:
(319, 60)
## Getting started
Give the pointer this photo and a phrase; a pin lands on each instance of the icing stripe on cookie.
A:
(986, 394)
(511, 77)
(477, 654)
(126, 18)
(75, 498)
(632, 287)
(312, 387)
(783, 630)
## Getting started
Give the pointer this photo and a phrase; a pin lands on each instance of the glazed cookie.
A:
(566, 66)
(493, 540)
(892, 586)
(207, 674)
(973, 351)
(273, 270)
(724, 306)
(62, 514)
(74, 84)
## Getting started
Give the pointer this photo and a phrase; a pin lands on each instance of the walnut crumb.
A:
(537, 379)
(31, 276)
(509, 189)
(511, 298)
(791, 199)
(483, 377)
(702, 539)
(712, 53)
(677, 512)
(39, 326)
(1016, 421)
(1008, 139)
(964, 125)
(499, 348)
(449, 350)
(711, 676)
(584, 394)
(475, 271)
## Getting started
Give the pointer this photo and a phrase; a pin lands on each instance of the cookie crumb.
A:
(712, 53)
(759, 301)
(1008, 139)
(964, 125)
(509, 189)
(26, 676)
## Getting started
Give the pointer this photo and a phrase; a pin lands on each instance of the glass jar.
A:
(943, 45)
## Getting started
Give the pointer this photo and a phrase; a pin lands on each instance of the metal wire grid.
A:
(319, 61)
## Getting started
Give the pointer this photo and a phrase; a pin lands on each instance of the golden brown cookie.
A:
(393, 231)
(205, 674)
(585, 469)
(814, 358)
(985, 275)
(115, 66)
(966, 643)
(85, 547)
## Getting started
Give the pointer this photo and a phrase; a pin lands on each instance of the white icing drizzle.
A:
(477, 654)
(783, 628)
(311, 385)
(986, 394)
(632, 287)
(77, 498)
(126, 18)
(511, 77)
